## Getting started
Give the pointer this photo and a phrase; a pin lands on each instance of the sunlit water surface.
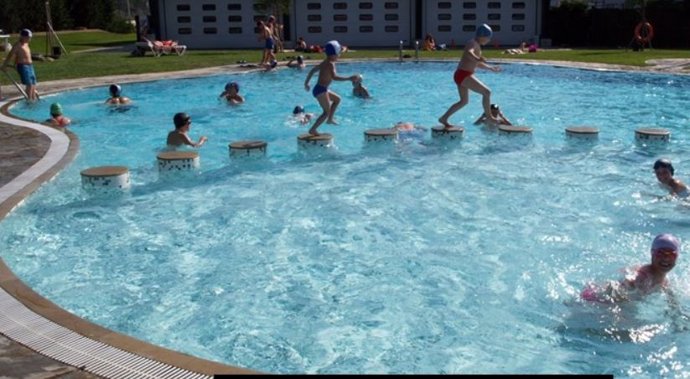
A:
(422, 257)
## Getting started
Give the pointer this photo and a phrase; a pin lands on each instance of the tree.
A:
(276, 7)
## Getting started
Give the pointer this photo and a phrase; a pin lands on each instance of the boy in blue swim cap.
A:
(466, 80)
(328, 99)
(116, 97)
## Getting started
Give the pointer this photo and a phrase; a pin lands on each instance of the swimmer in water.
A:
(232, 93)
(57, 119)
(663, 169)
(496, 112)
(359, 90)
(642, 280)
(300, 115)
(180, 136)
(116, 97)
(296, 63)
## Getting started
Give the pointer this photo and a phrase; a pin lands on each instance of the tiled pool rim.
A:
(28, 318)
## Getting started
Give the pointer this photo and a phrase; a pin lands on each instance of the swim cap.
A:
(55, 109)
(665, 163)
(332, 48)
(231, 85)
(25, 33)
(484, 30)
(666, 241)
(180, 119)
(300, 59)
(274, 63)
(298, 109)
(115, 90)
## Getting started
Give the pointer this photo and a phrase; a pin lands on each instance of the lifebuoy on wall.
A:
(647, 29)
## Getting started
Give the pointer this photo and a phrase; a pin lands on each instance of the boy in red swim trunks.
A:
(466, 80)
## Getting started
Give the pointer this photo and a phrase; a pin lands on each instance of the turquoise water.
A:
(422, 257)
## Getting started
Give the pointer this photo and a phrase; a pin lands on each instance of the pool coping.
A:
(62, 150)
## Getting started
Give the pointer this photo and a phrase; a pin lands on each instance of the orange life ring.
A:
(648, 35)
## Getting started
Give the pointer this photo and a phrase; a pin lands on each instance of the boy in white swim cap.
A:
(358, 89)
(466, 80)
(21, 52)
(328, 99)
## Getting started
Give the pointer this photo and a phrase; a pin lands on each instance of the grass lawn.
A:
(78, 64)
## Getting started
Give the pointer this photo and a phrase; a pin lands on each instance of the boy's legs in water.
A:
(325, 103)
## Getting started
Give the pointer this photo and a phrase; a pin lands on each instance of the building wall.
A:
(210, 24)
(362, 23)
(513, 21)
(224, 24)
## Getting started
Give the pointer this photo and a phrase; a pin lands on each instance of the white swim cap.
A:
(332, 48)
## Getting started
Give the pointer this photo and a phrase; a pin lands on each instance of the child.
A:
(300, 115)
(496, 112)
(645, 279)
(328, 100)
(179, 136)
(266, 34)
(465, 79)
(296, 62)
(664, 174)
(24, 64)
(116, 97)
(56, 118)
(231, 93)
(358, 90)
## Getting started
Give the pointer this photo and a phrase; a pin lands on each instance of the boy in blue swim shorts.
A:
(22, 59)
(328, 99)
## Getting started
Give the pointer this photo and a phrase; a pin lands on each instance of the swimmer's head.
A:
(115, 90)
(298, 109)
(484, 30)
(332, 48)
(181, 119)
(666, 242)
(664, 163)
(494, 109)
(274, 63)
(300, 59)
(231, 85)
(25, 33)
(56, 109)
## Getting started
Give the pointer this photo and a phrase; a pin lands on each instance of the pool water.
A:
(421, 257)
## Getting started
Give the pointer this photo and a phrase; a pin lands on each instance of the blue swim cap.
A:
(298, 109)
(484, 30)
(332, 48)
(115, 90)
(666, 241)
(231, 85)
(274, 63)
(25, 33)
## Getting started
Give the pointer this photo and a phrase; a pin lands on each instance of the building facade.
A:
(227, 24)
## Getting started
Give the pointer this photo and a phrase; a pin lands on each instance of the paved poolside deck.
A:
(23, 148)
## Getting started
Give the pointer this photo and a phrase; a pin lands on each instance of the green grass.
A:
(100, 63)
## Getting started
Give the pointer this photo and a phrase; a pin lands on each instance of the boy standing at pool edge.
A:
(22, 57)
(466, 80)
(328, 100)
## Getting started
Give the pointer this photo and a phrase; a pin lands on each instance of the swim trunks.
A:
(318, 90)
(269, 43)
(460, 75)
(26, 73)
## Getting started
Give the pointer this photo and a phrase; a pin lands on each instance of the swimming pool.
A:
(423, 258)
